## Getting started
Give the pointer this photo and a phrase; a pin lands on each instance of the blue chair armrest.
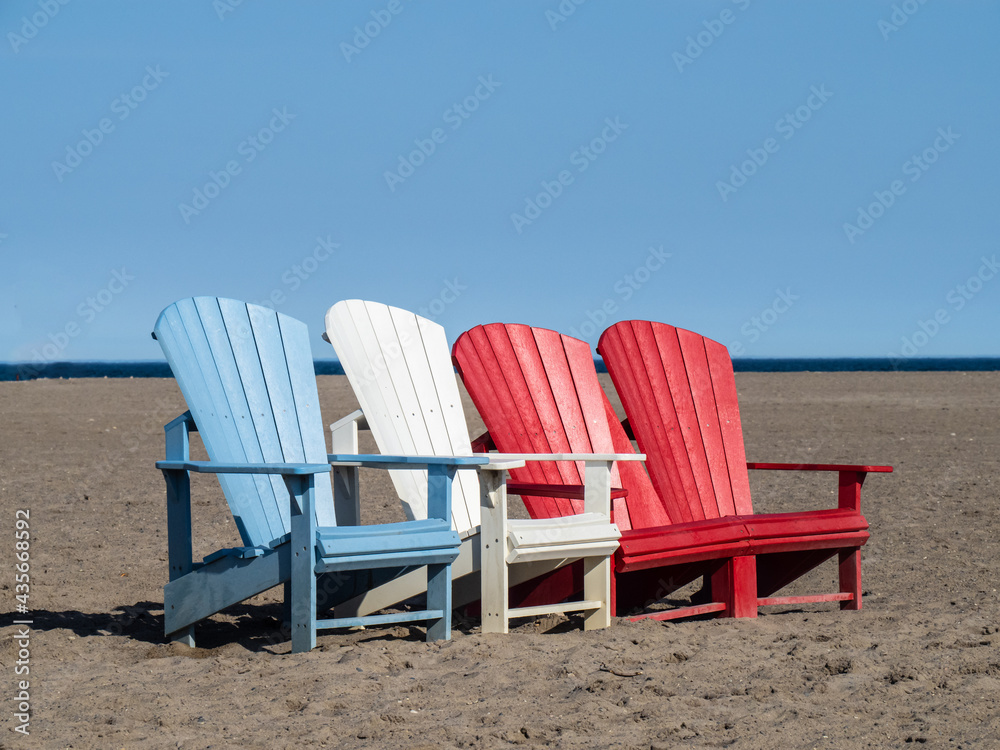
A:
(213, 467)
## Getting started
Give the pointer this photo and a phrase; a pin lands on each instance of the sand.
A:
(919, 664)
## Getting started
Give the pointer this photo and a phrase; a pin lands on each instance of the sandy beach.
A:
(920, 664)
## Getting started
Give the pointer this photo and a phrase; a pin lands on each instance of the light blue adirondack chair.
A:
(247, 375)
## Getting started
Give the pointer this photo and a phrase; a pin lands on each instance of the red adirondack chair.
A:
(679, 395)
(538, 392)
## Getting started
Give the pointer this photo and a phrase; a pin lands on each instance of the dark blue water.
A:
(874, 364)
(146, 369)
(160, 369)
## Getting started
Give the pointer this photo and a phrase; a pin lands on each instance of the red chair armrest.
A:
(569, 491)
(849, 482)
(818, 467)
(483, 444)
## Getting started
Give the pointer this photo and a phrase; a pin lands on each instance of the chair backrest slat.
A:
(679, 392)
(720, 366)
(398, 364)
(305, 407)
(236, 365)
(647, 386)
(515, 367)
(538, 392)
(234, 354)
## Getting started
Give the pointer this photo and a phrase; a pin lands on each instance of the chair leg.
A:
(303, 552)
(439, 597)
(850, 577)
(613, 592)
(597, 587)
(303, 601)
(495, 605)
(286, 604)
(179, 535)
(720, 584)
(735, 584)
(184, 636)
(745, 586)
(494, 573)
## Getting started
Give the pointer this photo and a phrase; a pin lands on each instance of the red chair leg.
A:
(745, 586)
(735, 584)
(850, 577)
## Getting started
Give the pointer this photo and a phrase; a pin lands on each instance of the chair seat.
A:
(741, 535)
(683, 542)
(585, 527)
(583, 535)
(386, 539)
(818, 529)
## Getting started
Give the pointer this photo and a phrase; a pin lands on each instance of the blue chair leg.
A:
(286, 604)
(439, 485)
(303, 551)
(179, 537)
(439, 597)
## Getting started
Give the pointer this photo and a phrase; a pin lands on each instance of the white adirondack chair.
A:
(399, 365)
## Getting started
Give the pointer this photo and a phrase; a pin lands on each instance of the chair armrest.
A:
(212, 467)
(355, 417)
(184, 418)
(597, 490)
(849, 482)
(568, 491)
(483, 444)
(175, 471)
(440, 473)
(379, 461)
(818, 467)
(585, 457)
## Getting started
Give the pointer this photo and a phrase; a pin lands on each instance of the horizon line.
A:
(159, 368)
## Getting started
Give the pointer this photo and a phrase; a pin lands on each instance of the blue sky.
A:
(789, 178)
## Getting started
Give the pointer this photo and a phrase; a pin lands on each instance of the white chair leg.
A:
(597, 587)
(493, 503)
(597, 570)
